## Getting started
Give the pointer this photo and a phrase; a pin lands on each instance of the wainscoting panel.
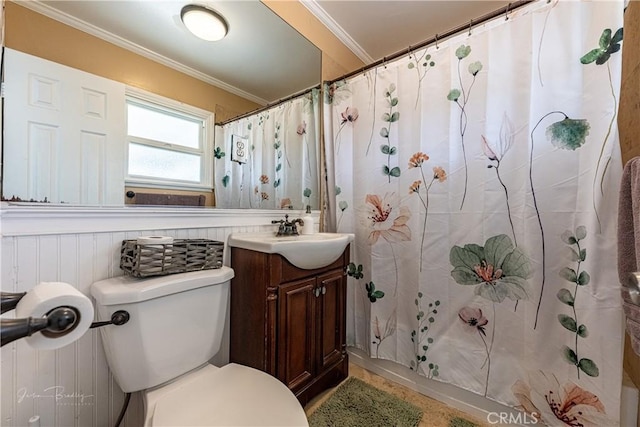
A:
(73, 386)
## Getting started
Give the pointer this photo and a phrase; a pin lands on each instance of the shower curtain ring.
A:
(506, 12)
(470, 24)
(384, 62)
(437, 47)
(409, 51)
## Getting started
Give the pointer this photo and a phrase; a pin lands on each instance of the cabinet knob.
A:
(324, 290)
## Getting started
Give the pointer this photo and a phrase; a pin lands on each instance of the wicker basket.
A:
(178, 257)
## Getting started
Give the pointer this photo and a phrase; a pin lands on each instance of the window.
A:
(168, 143)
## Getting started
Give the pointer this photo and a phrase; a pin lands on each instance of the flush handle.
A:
(118, 318)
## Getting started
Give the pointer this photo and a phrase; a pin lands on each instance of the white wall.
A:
(80, 246)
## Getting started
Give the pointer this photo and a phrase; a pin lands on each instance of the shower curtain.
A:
(480, 177)
(279, 169)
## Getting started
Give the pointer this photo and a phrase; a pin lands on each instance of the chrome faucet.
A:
(287, 228)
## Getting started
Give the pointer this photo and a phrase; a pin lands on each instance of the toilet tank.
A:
(176, 324)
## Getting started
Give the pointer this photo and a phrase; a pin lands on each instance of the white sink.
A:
(306, 251)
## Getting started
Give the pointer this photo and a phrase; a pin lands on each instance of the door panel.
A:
(64, 133)
(331, 307)
(296, 314)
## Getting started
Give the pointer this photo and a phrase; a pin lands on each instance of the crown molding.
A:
(337, 30)
(83, 26)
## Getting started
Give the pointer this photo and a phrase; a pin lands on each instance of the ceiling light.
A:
(204, 23)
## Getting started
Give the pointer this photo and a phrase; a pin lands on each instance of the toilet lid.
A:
(233, 395)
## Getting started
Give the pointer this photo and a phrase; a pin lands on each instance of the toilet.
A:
(175, 328)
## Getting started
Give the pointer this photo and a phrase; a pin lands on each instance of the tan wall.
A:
(629, 113)
(629, 126)
(337, 59)
(38, 35)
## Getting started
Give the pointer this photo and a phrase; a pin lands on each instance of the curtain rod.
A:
(268, 106)
(438, 37)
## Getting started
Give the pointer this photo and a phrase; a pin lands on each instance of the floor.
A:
(437, 414)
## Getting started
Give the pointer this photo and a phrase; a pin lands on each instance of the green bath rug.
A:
(461, 422)
(357, 404)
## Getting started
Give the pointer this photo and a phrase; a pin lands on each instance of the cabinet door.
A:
(296, 332)
(331, 312)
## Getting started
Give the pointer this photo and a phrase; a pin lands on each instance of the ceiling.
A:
(381, 28)
(262, 58)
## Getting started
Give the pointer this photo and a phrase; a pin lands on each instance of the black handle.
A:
(57, 322)
(10, 300)
(118, 318)
(13, 329)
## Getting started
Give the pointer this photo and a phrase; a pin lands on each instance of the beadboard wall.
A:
(72, 386)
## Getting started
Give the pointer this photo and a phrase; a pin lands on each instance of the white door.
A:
(64, 134)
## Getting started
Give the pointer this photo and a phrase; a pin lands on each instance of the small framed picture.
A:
(239, 148)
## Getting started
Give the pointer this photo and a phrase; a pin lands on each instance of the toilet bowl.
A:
(232, 395)
(175, 327)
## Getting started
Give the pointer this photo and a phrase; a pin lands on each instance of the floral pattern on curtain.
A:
(281, 171)
(480, 177)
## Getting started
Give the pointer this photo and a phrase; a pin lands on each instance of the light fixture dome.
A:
(203, 22)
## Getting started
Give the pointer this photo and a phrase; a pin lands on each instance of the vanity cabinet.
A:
(288, 321)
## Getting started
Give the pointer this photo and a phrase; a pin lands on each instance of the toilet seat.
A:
(233, 395)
